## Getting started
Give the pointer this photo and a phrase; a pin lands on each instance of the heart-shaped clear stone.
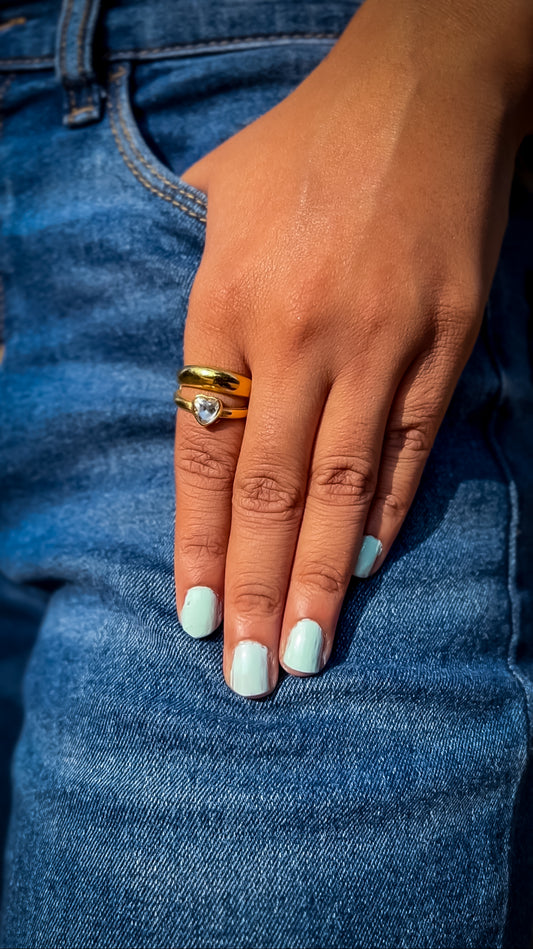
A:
(206, 409)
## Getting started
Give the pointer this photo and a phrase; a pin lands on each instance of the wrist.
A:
(484, 47)
(509, 58)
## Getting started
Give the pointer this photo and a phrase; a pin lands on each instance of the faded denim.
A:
(382, 803)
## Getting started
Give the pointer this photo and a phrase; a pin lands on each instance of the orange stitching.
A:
(140, 157)
(73, 108)
(117, 75)
(84, 108)
(62, 59)
(137, 174)
(113, 55)
(15, 21)
(132, 53)
(90, 104)
(151, 167)
(129, 53)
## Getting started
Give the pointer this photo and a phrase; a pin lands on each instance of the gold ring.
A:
(216, 380)
(208, 409)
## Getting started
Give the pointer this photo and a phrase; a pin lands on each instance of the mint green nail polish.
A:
(304, 647)
(201, 612)
(249, 670)
(370, 551)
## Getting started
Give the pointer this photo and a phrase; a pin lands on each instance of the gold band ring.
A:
(216, 380)
(207, 408)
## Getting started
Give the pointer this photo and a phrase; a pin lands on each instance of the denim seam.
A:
(207, 44)
(115, 79)
(229, 41)
(27, 60)
(81, 37)
(81, 110)
(511, 586)
(14, 21)
(63, 43)
(73, 110)
(135, 171)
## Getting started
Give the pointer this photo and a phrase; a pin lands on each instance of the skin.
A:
(352, 236)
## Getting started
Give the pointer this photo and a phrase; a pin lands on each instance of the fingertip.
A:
(201, 613)
(369, 554)
(303, 652)
(253, 673)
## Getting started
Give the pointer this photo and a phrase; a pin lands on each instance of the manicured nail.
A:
(369, 553)
(249, 670)
(303, 651)
(201, 612)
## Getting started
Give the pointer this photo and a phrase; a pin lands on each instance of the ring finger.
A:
(341, 486)
(204, 460)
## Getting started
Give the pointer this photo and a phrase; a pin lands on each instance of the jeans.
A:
(382, 803)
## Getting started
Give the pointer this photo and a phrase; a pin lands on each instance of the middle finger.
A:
(268, 500)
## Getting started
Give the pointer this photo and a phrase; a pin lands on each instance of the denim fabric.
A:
(382, 803)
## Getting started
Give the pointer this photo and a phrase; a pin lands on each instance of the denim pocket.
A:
(141, 160)
(167, 114)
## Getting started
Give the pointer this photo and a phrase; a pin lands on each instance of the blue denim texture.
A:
(382, 803)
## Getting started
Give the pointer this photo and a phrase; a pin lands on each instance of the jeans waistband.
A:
(153, 29)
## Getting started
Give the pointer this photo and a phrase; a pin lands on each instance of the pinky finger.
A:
(414, 419)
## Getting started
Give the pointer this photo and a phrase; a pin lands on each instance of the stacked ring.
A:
(209, 409)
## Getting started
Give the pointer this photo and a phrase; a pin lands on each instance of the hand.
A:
(352, 236)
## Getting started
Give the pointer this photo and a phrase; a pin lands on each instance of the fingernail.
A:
(249, 670)
(369, 553)
(201, 612)
(304, 647)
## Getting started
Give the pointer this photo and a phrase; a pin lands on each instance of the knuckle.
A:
(343, 479)
(268, 493)
(415, 437)
(392, 505)
(254, 597)
(458, 313)
(304, 305)
(197, 547)
(201, 461)
(323, 578)
(311, 284)
(299, 329)
(228, 291)
(463, 294)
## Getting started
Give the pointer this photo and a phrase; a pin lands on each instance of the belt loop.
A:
(74, 62)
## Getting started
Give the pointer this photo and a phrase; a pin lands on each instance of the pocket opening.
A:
(139, 158)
